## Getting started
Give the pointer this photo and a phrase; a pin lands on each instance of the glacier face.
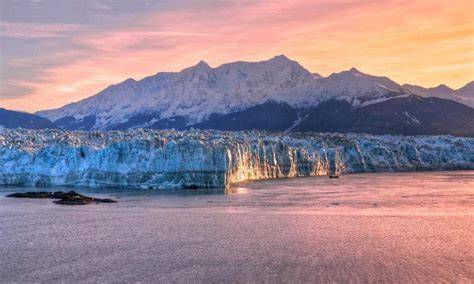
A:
(166, 159)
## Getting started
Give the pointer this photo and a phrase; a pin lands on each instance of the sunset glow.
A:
(50, 59)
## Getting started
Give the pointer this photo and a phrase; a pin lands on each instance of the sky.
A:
(53, 52)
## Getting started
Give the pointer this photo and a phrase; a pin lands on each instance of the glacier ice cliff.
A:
(165, 159)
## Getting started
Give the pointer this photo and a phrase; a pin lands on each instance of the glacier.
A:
(150, 159)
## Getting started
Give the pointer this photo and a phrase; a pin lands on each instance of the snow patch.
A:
(412, 118)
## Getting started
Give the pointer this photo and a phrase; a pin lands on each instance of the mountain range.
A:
(276, 95)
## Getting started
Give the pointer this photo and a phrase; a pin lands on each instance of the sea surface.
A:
(391, 227)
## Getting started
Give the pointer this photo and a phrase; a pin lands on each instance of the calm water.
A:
(401, 227)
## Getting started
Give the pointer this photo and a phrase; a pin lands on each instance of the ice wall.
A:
(165, 159)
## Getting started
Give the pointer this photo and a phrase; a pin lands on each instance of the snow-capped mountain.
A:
(195, 92)
(278, 89)
(198, 91)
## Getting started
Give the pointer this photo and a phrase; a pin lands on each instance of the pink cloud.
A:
(36, 30)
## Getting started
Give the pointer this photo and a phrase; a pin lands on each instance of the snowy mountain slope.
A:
(164, 159)
(464, 95)
(190, 97)
(194, 92)
(197, 91)
(359, 87)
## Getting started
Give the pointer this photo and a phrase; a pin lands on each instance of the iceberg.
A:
(150, 159)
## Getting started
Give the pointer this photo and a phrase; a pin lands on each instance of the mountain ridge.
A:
(191, 96)
(17, 119)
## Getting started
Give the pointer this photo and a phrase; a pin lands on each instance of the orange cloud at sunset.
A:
(419, 42)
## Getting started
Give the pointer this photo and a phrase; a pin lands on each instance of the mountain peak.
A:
(130, 81)
(202, 65)
(354, 70)
(281, 57)
(282, 60)
(443, 87)
(441, 90)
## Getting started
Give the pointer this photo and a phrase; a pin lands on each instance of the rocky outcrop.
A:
(64, 198)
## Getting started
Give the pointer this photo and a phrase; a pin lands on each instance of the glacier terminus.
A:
(150, 159)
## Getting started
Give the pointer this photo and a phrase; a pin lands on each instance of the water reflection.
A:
(390, 227)
(357, 191)
(236, 190)
(121, 192)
